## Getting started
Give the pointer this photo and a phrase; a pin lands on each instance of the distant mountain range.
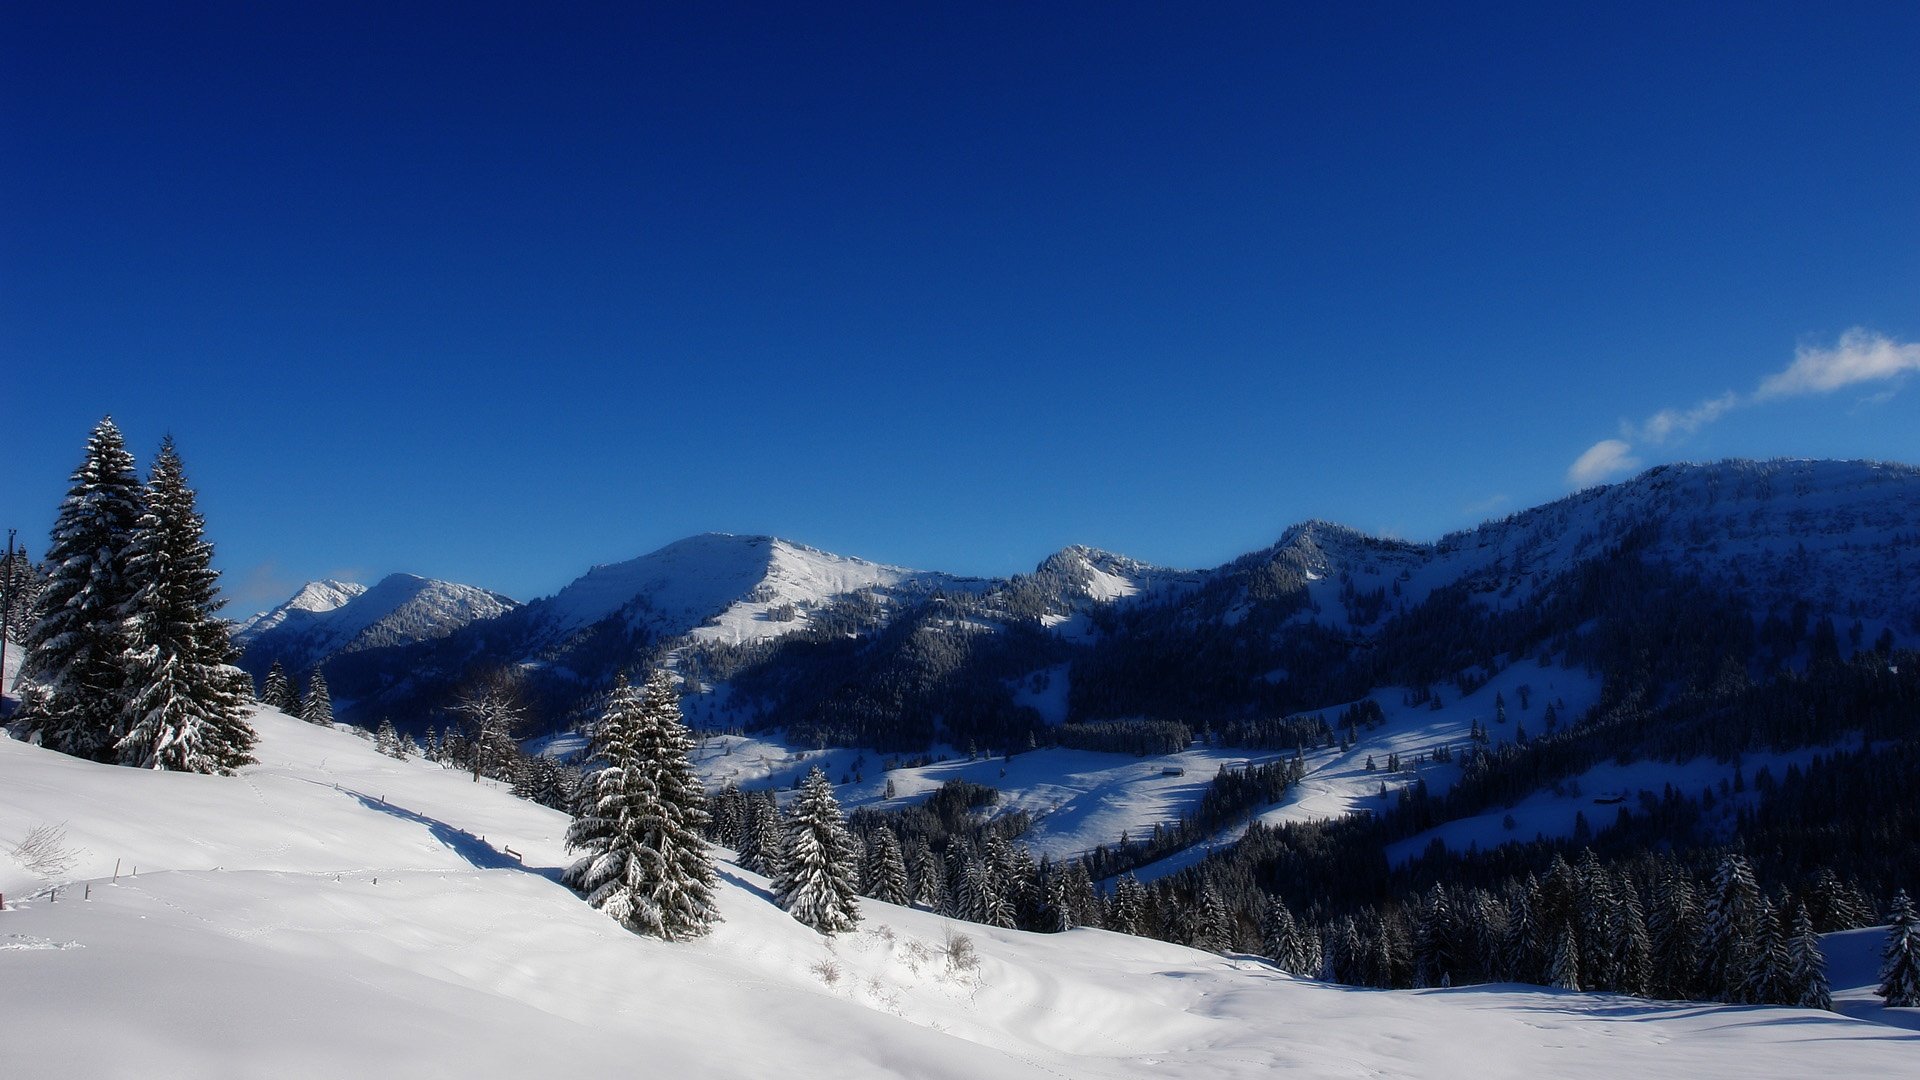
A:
(329, 619)
(770, 632)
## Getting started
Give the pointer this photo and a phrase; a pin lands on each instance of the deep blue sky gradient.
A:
(492, 293)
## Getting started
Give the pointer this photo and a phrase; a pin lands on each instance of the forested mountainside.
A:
(1682, 568)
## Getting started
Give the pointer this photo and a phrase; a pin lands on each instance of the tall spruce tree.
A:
(1806, 966)
(75, 651)
(187, 706)
(278, 693)
(1728, 927)
(640, 816)
(1900, 960)
(886, 869)
(317, 708)
(816, 880)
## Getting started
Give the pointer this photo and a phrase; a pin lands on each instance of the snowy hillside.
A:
(332, 618)
(333, 912)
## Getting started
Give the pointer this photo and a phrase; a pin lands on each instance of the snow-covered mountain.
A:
(330, 911)
(725, 588)
(326, 619)
(1830, 539)
(314, 598)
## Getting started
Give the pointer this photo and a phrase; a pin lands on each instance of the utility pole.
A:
(6, 613)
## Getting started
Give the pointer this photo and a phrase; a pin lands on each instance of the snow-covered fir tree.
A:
(75, 700)
(1520, 952)
(386, 738)
(886, 869)
(1565, 972)
(1806, 966)
(1212, 924)
(277, 692)
(187, 706)
(21, 583)
(1673, 934)
(317, 707)
(816, 878)
(639, 819)
(1433, 960)
(1727, 928)
(729, 812)
(1127, 914)
(1281, 939)
(1766, 977)
(760, 833)
(1900, 959)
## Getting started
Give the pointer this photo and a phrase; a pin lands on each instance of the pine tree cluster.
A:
(127, 660)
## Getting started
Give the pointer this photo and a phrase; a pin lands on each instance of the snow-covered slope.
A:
(332, 912)
(331, 618)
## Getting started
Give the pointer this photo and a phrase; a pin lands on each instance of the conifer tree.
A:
(1129, 906)
(1673, 934)
(1280, 938)
(1433, 961)
(1806, 966)
(760, 834)
(187, 706)
(1632, 951)
(1727, 928)
(21, 584)
(929, 874)
(1900, 960)
(1213, 926)
(386, 738)
(728, 808)
(1566, 960)
(1520, 946)
(277, 693)
(639, 820)
(816, 876)
(886, 869)
(75, 650)
(1056, 907)
(318, 706)
(1766, 978)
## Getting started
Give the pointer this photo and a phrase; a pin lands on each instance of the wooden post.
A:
(116, 871)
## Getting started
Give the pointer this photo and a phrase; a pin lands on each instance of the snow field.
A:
(281, 927)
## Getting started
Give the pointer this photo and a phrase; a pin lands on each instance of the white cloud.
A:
(1862, 356)
(1667, 423)
(1603, 461)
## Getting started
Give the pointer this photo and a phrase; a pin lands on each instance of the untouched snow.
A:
(331, 912)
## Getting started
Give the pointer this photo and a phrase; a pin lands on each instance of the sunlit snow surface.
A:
(334, 913)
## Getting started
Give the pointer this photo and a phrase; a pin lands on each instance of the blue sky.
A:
(493, 293)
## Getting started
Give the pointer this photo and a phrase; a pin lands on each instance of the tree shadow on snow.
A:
(475, 850)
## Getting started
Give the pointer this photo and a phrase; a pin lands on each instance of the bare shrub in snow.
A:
(44, 850)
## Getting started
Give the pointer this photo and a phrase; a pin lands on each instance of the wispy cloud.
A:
(1861, 356)
(1602, 461)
